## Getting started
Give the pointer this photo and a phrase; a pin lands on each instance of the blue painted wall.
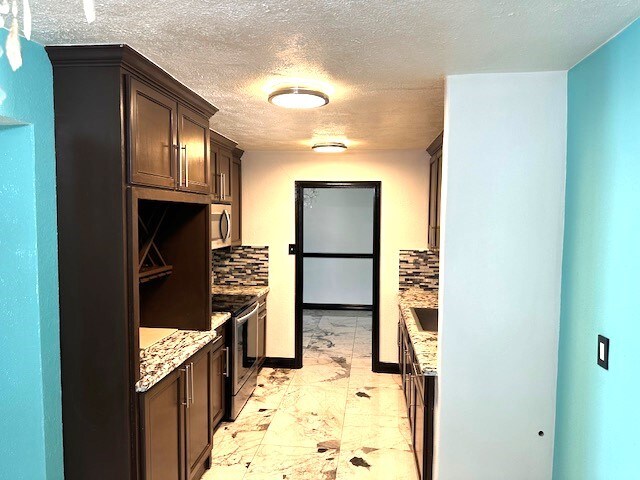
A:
(30, 404)
(598, 411)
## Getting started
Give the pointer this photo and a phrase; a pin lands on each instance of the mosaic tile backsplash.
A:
(419, 268)
(246, 266)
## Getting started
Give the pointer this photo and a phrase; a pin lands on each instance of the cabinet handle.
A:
(193, 397)
(230, 229)
(186, 166)
(178, 148)
(226, 362)
(186, 388)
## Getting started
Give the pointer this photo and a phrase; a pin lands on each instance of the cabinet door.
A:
(224, 164)
(216, 184)
(218, 369)
(199, 411)
(162, 415)
(406, 369)
(194, 163)
(439, 202)
(418, 425)
(433, 203)
(152, 136)
(236, 205)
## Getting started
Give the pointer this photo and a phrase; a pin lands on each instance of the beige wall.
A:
(269, 219)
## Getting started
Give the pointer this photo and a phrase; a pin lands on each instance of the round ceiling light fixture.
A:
(298, 97)
(330, 147)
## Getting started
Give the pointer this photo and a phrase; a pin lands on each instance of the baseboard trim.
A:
(279, 362)
(386, 367)
(336, 306)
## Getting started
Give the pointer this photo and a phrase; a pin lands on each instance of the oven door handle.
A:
(243, 319)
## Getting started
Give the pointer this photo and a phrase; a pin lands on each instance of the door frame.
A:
(299, 262)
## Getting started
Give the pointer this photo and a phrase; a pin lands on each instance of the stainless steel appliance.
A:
(220, 225)
(243, 348)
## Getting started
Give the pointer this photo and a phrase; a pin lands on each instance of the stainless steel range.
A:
(243, 348)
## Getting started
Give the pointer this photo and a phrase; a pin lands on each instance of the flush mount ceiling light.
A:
(330, 147)
(298, 97)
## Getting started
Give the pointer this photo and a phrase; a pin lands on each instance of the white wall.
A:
(269, 219)
(339, 220)
(503, 189)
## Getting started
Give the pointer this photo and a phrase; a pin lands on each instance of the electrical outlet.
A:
(603, 352)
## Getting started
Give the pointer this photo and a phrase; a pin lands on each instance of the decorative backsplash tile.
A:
(419, 268)
(247, 266)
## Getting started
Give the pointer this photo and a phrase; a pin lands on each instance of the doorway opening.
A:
(337, 293)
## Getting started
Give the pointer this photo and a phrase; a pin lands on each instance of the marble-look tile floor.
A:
(333, 419)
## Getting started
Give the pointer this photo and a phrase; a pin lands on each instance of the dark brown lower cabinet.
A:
(178, 416)
(219, 370)
(419, 391)
(198, 412)
(163, 429)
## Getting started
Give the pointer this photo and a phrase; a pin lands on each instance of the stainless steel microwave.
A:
(220, 225)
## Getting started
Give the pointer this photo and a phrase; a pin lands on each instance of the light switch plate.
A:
(603, 352)
(292, 249)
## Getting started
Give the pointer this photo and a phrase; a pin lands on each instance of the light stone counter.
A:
(425, 344)
(164, 356)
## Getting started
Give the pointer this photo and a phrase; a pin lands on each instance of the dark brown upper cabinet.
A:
(193, 156)
(222, 168)
(236, 204)
(226, 180)
(435, 188)
(168, 142)
(153, 136)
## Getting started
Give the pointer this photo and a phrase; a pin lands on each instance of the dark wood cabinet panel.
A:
(194, 161)
(198, 412)
(236, 205)
(216, 185)
(162, 413)
(152, 139)
(435, 188)
(218, 370)
(419, 423)
(225, 159)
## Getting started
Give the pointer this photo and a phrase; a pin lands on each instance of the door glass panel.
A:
(338, 220)
(338, 281)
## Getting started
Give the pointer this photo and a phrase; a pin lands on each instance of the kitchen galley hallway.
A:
(332, 419)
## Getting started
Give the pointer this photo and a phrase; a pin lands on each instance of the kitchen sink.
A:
(426, 319)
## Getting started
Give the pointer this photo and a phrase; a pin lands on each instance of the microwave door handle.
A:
(243, 319)
(228, 235)
(222, 234)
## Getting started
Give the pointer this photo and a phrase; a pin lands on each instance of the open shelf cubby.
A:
(173, 264)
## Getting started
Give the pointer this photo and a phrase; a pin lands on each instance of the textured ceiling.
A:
(385, 60)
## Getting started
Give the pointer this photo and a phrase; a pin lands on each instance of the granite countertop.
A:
(258, 291)
(218, 318)
(163, 357)
(425, 344)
